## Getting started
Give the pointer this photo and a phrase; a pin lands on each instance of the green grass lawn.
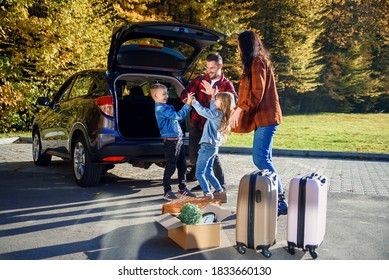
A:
(366, 133)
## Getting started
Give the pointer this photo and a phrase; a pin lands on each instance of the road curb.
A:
(276, 152)
(309, 153)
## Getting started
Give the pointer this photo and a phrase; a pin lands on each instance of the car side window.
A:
(81, 86)
(99, 86)
(64, 95)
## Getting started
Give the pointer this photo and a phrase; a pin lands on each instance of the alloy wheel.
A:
(79, 160)
(36, 147)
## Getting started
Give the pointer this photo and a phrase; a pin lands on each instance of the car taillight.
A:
(114, 158)
(105, 104)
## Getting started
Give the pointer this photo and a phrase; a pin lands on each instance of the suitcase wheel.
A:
(266, 253)
(291, 250)
(313, 253)
(241, 248)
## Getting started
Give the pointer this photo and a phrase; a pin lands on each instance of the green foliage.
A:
(328, 55)
(353, 54)
(290, 30)
(190, 214)
(43, 43)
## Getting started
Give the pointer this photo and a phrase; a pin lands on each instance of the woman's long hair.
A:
(250, 46)
(227, 104)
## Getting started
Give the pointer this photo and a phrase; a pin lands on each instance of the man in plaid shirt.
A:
(203, 86)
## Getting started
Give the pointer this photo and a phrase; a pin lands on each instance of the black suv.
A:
(99, 118)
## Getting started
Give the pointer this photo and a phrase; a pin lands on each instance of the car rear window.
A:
(155, 54)
(175, 48)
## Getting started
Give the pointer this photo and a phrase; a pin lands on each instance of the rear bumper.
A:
(131, 152)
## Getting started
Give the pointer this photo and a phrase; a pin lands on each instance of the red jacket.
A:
(195, 86)
(258, 100)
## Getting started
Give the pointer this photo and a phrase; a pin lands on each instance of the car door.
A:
(73, 110)
(50, 118)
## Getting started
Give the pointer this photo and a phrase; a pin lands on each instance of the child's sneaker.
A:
(185, 192)
(222, 195)
(282, 205)
(210, 195)
(169, 196)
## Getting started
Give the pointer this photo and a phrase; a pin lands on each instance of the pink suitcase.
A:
(307, 199)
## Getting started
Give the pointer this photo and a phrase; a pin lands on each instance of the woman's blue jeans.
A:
(204, 170)
(262, 150)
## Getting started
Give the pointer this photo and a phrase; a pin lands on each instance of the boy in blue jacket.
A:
(169, 126)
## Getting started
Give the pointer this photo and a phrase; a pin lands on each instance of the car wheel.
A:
(191, 173)
(39, 158)
(86, 173)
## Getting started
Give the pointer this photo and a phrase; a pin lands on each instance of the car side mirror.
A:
(43, 101)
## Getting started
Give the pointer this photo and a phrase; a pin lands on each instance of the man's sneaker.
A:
(222, 195)
(282, 205)
(210, 195)
(185, 192)
(169, 196)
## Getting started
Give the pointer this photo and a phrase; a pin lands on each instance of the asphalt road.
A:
(44, 215)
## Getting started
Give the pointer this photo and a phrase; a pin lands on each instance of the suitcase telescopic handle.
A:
(322, 179)
(267, 172)
(316, 176)
(263, 172)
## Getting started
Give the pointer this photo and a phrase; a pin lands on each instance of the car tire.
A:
(86, 173)
(39, 158)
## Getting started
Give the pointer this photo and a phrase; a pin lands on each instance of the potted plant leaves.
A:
(190, 214)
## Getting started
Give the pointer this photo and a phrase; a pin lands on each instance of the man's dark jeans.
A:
(194, 146)
(175, 158)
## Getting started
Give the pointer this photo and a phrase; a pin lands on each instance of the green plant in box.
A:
(190, 214)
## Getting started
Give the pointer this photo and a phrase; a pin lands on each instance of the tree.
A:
(41, 46)
(355, 58)
(329, 55)
(289, 30)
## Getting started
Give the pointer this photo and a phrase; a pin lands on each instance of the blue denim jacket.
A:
(169, 119)
(211, 133)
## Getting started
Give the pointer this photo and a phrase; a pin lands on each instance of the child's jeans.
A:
(204, 170)
(175, 158)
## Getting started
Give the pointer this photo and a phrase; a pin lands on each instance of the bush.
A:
(190, 214)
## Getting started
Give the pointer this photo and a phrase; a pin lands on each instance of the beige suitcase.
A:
(256, 212)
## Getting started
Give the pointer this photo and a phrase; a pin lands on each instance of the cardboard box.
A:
(175, 205)
(200, 236)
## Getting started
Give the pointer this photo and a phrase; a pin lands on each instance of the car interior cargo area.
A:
(135, 106)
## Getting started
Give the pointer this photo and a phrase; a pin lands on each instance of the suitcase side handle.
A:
(258, 196)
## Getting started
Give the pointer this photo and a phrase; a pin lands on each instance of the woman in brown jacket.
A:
(258, 106)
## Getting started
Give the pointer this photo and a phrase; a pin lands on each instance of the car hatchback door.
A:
(167, 47)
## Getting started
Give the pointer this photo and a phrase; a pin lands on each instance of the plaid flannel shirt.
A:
(195, 86)
(258, 100)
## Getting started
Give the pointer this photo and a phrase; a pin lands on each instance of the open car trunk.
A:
(135, 106)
